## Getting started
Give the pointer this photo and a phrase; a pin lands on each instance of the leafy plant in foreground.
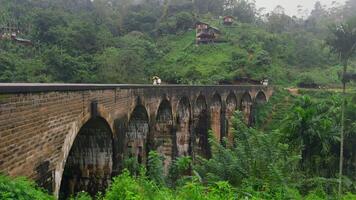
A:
(21, 189)
(256, 159)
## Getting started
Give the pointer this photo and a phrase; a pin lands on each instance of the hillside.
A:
(118, 42)
(244, 54)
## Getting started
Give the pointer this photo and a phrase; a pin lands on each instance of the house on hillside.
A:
(6, 31)
(11, 33)
(228, 20)
(206, 33)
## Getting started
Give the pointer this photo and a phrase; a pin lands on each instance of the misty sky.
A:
(291, 5)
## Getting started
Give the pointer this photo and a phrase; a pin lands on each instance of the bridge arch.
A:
(231, 107)
(231, 102)
(201, 126)
(73, 131)
(163, 136)
(137, 134)
(216, 116)
(200, 104)
(88, 165)
(245, 106)
(183, 134)
(261, 98)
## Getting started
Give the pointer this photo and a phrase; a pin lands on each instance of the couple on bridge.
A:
(156, 80)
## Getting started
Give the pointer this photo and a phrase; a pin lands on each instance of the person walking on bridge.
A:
(156, 80)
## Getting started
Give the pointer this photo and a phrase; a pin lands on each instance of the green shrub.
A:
(179, 168)
(155, 167)
(21, 189)
(257, 158)
(82, 196)
(349, 196)
(124, 187)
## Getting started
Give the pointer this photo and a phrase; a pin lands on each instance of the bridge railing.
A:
(6, 88)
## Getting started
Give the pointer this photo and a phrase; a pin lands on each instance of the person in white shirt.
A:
(159, 81)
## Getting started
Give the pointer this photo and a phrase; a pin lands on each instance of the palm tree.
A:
(310, 129)
(343, 42)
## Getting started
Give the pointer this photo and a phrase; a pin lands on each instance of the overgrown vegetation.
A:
(21, 188)
(106, 41)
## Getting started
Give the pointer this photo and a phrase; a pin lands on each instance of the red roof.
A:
(228, 17)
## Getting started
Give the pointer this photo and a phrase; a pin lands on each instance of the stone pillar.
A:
(216, 121)
(163, 141)
(230, 136)
(183, 136)
(246, 110)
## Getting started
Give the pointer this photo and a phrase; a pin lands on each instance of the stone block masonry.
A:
(76, 135)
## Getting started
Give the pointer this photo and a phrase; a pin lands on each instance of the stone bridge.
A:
(71, 137)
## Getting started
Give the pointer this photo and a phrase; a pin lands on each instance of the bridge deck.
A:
(6, 88)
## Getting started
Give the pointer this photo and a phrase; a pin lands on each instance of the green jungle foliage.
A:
(21, 189)
(118, 41)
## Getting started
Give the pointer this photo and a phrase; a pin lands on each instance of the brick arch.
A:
(183, 121)
(164, 110)
(231, 101)
(184, 101)
(260, 98)
(216, 118)
(163, 136)
(74, 129)
(216, 99)
(139, 102)
(200, 104)
(245, 106)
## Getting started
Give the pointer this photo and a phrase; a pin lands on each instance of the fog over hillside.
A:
(295, 7)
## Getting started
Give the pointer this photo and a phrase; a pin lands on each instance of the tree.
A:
(245, 11)
(311, 128)
(278, 21)
(343, 42)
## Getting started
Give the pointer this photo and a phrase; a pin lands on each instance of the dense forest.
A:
(123, 41)
(291, 151)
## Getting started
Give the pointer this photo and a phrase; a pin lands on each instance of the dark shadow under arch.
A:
(200, 104)
(137, 134)
(89, 164)
(261, 98)
(201, 127)
(163, 137)
(231, 101)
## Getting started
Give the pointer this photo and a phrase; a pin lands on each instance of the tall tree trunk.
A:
(342, 128)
